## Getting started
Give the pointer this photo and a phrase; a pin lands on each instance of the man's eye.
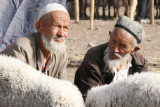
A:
(55, 26)
(66, 28)
(123, 46)
(114, 41)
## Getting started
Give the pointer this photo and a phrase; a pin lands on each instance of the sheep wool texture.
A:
(23, 86)
(139, 90)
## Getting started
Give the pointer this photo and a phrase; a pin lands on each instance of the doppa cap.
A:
(51, 7)
(133, 27)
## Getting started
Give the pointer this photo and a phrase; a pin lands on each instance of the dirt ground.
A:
(81, 38)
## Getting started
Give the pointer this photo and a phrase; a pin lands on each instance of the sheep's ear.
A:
(135, 49)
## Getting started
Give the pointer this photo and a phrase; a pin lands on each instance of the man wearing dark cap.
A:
(114, 60)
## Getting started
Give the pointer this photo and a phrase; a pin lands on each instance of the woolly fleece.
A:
(139, 90)
(23, 86)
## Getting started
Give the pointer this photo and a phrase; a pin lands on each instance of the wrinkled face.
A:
(120, 43)
(57, 25)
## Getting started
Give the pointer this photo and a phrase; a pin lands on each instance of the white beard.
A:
(53, 46)
(114, 63)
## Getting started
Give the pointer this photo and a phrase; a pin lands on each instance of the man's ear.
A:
(110, 33)
(38, 26)
(135, 49)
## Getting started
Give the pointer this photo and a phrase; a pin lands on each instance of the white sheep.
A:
(23, 86)
(139, 90)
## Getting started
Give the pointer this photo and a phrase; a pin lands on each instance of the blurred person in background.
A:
(143, 9)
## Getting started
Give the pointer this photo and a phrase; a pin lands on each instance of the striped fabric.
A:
(17, 18)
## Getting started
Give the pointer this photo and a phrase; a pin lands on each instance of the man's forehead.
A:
(60, 15)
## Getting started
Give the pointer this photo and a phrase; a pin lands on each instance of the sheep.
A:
(23, 86)
(139, 90)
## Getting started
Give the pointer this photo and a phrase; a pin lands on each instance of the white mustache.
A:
(56, 36)
(118, 55)
(111, 52)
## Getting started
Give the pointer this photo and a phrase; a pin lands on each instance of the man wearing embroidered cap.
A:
(45, 50)
(114, 60)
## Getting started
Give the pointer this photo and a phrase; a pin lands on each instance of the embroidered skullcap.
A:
(51, 7)
(133, 27)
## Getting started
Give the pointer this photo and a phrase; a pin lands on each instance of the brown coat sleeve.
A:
(88, 74)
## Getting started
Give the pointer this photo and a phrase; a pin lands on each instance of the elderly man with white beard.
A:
(45, 50)
(114, 60)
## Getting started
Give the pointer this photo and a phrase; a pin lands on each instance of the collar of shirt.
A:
(123, 72)
(43, 63)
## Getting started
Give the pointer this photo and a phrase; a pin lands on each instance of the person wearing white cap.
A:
(45, 50)
(114, 60)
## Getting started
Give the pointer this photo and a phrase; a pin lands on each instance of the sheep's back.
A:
(23, 86)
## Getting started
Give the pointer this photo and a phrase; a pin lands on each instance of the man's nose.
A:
(115, 49)
(60, 32)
